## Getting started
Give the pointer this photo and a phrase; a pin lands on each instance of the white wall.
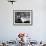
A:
(38, 30)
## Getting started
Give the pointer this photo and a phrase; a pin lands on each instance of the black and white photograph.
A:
(22, 16)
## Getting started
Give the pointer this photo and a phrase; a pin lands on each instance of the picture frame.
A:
(22, 17)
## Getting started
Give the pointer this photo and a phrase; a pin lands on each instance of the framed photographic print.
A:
(22, 17)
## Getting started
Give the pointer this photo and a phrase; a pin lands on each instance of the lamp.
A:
(12, 1)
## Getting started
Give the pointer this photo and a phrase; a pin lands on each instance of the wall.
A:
(37, 31)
